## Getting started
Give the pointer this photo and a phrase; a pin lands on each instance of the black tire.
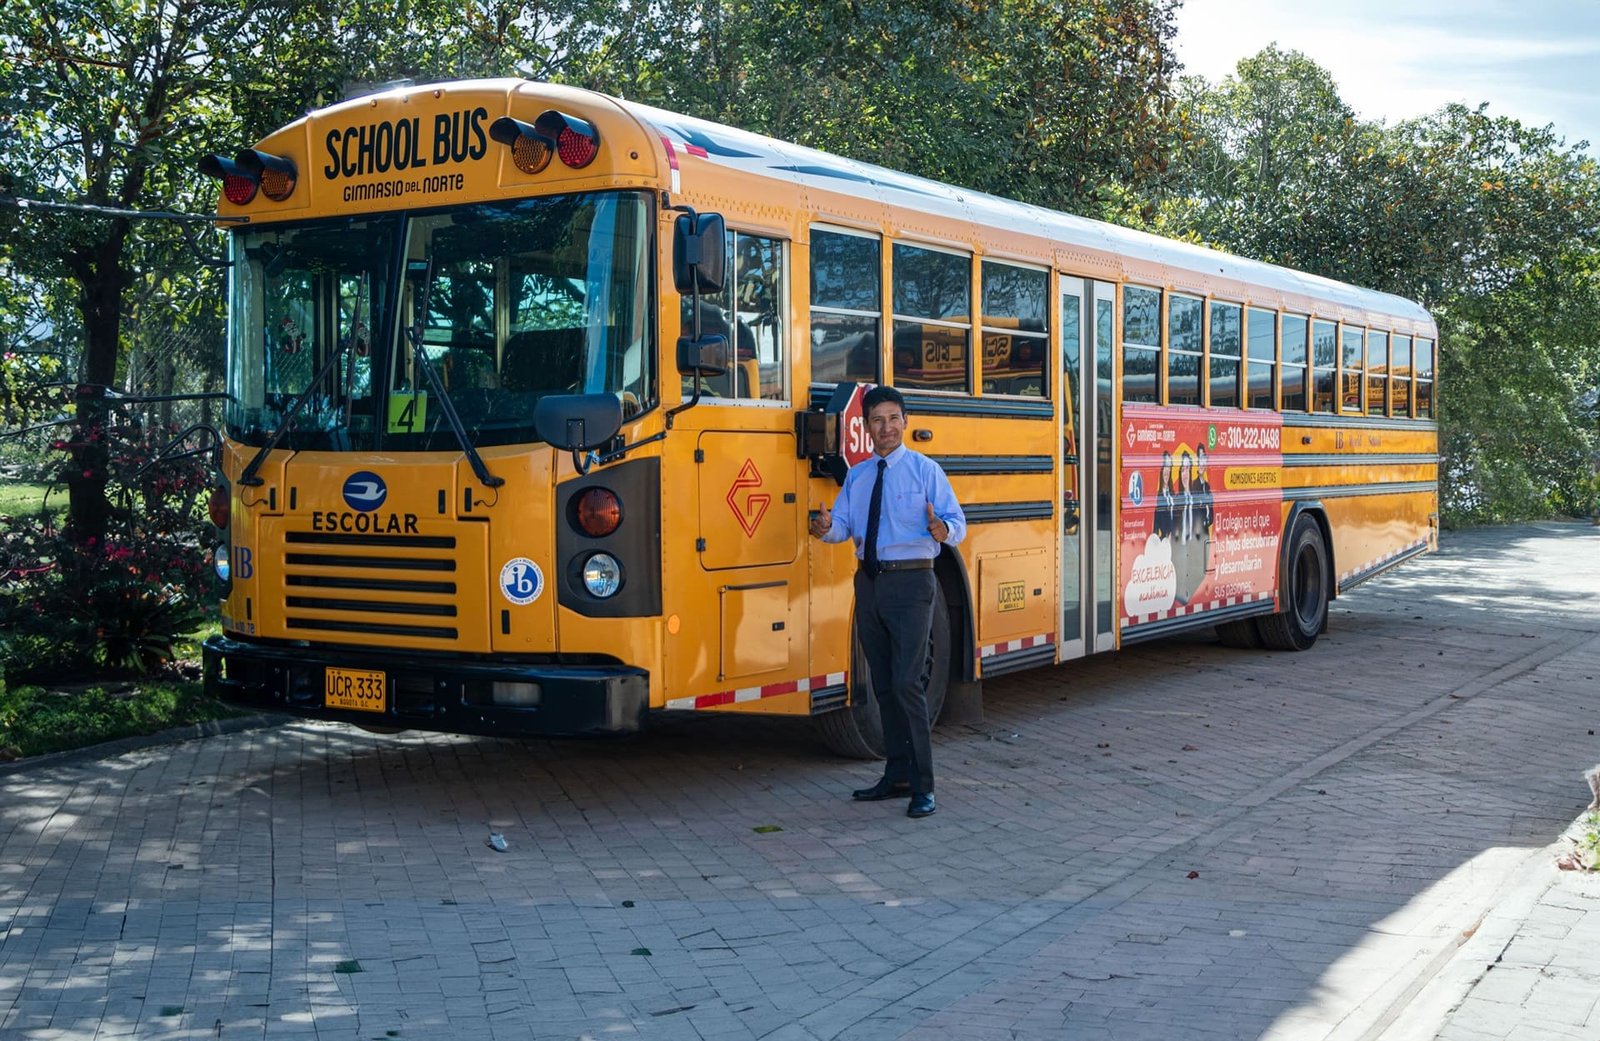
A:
(378, 728)
(1304, 594)
(1241, 634)
(856, 730)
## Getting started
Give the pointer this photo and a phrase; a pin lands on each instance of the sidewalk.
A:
(1531, 969)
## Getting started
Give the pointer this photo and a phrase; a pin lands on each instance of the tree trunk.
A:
(101, 278)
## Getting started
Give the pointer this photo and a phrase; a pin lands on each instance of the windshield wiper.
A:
(420, 305)
(249, 476)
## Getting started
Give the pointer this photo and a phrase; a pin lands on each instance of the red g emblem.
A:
(748, 508)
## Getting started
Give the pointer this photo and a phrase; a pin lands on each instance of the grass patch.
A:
(21, 498)
(1588, 842)
(35, 721)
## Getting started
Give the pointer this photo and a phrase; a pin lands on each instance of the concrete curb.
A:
(173, 736)
(1433, 1005)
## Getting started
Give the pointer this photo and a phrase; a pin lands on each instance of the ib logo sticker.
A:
(1136, 487)
(364, 491)
(521, 581)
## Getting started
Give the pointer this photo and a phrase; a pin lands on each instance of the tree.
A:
(1493, 225)
(105, 99)
(1062, 104)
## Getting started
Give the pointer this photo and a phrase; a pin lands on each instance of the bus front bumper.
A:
(504, 699)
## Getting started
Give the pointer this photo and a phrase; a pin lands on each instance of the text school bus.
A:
(531, 390)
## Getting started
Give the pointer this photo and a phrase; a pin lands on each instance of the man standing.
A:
(898, 507)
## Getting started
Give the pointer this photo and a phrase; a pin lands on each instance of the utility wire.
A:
(112, 211)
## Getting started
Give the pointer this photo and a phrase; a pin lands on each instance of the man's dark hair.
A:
(878, 395)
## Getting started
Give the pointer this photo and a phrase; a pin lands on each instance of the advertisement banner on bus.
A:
(1202, 503)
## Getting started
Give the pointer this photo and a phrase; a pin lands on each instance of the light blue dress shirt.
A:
(910, 482)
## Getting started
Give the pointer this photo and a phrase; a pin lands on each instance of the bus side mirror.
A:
(706, 356)
(577, 422)
(699, 253)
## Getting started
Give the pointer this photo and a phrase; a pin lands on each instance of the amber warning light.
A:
(250, 170)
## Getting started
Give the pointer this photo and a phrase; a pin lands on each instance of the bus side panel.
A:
(1378, 483)
(1202, 510)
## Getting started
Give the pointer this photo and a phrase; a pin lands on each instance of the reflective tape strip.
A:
(771, 690)
(1365, 568)
(1007, 646)
(1182, 610)
(672, 163)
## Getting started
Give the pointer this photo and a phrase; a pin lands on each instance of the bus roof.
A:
(821, 171)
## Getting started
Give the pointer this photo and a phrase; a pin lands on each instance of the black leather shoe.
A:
(881, 790)
(921, 805)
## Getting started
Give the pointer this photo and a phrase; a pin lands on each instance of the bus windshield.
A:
(526, 298)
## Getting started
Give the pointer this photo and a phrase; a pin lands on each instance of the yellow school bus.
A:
(531, 390)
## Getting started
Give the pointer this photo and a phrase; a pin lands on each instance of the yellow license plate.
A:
(357, 689)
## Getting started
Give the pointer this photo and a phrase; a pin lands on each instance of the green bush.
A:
(112, 605)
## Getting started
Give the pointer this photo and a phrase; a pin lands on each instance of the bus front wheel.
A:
(856, 730)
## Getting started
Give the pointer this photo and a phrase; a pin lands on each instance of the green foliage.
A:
(1491, 224)
(34, 721)
(115, 604)
(1063, 104)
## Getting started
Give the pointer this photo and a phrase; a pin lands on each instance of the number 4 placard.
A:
(408, 411)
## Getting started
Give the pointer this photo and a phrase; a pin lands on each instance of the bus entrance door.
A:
(1086, 624)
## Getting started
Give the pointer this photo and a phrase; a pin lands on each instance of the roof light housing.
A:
(530, 149)
(249, 171)
(276, 174)
(577, 141)
(238, 184)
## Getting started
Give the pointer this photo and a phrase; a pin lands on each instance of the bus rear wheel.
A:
(1304, 595)
(856, 731)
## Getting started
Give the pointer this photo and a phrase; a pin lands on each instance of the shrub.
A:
(117, 604)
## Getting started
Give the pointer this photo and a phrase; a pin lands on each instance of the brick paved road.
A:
(1349, 813)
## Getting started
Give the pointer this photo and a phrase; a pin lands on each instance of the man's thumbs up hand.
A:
(936, 527)
(821, 521)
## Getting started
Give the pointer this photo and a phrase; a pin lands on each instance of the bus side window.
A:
(846, 306)
(1352, 370)
(759, 288)
(1226, 348)
(1377, 373)
(1141, 344)
(749, 312)
(1016, 320)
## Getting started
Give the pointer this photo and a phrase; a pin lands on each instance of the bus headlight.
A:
(602, 575)
(220, 562)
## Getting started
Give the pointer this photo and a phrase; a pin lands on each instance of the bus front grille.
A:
(371, 584)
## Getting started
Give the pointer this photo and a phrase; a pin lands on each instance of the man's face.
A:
(887, 425)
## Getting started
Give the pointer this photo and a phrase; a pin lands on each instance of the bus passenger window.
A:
(1184, 349)
(1141, 344)
(1324, 365)
(1400, 376)
(846, 304)
(1262, 329)
(1377, 373)
(932, 318)
(1294, 362)
(1353, 369)
(1016, 333)
(1227, 346)
(1424, 387)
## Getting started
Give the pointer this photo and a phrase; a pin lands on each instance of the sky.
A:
(1535, 60)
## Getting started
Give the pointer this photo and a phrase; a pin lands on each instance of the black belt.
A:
(915, 564)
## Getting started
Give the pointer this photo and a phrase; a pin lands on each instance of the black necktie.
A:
(874, 514)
